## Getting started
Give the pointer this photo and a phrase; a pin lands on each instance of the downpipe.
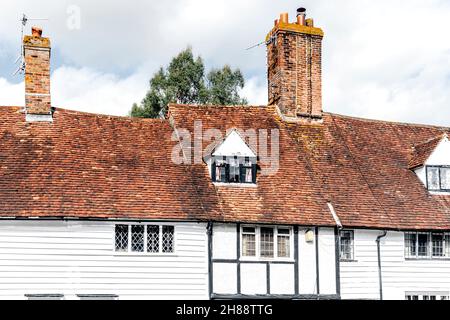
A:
(380, 275)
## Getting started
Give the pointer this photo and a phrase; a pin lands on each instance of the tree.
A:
(184, 82)
(224, 85)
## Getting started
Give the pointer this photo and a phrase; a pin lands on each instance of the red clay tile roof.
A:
(85, 165)
(360, 166)
(421, 152)
(91, 166)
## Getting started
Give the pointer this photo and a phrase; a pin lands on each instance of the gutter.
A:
(380, 275)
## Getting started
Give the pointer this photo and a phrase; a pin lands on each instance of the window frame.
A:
(242, 167)
(430, 255)
(258, 256)
(352, 244)
(439, 177)
(145, 252)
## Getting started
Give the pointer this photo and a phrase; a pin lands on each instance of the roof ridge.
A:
(409, 124)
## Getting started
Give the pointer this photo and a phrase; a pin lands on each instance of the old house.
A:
(335, 207)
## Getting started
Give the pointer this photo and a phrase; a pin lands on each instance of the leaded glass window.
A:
(153, 239)
(168, 239)
(143, 238)
(121, 237)
(137, 238)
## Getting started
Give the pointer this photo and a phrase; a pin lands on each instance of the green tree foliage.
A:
(224, 85)
(184, 82)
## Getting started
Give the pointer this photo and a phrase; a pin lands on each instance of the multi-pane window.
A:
(438, 178)
(121, 238)
(153, 239)
(137, 238)
(346, 245)
(426, 295)
(283, 243)
(234, 169)
(248, 242)
(141, 238)
(168, 233)
(426, 245)
(266, 242)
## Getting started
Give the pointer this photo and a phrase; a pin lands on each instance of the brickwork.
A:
(37, 75)
(294, 58)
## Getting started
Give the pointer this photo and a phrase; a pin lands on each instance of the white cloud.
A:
(386, 59)
(11, 94)
(88, 90)
(85, 90)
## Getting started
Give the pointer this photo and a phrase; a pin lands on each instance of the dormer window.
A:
(233, 161)
(233, 169)
(438, 178)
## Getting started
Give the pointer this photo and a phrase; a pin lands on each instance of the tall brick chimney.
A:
(294, 58)
(37, 76)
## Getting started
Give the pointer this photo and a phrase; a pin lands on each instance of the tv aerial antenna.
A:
(21, 58)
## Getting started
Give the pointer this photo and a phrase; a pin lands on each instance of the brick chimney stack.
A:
(294, 58)
(37, 75)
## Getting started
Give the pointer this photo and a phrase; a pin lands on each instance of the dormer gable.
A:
(431, 163)
(233, 162)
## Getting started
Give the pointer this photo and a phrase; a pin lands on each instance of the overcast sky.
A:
(385, 59)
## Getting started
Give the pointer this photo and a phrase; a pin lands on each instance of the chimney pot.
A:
(36, 32)
(284, 17)
(301, 16)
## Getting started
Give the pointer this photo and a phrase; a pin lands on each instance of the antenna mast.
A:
(21, 58)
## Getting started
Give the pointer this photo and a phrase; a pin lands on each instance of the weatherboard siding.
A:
(75, 257)
(359, 279)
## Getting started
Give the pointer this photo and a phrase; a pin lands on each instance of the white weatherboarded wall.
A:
(359, 279)
(77, 257)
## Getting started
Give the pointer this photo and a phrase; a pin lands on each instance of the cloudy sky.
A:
(385, 59)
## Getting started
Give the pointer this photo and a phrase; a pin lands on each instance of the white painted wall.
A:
(282, 276)
(57, 257)
(359, 279)
(306, 264)
(327, 261)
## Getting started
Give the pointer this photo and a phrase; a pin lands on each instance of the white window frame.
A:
(445, 246)
(145, 253)
(275, 257)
